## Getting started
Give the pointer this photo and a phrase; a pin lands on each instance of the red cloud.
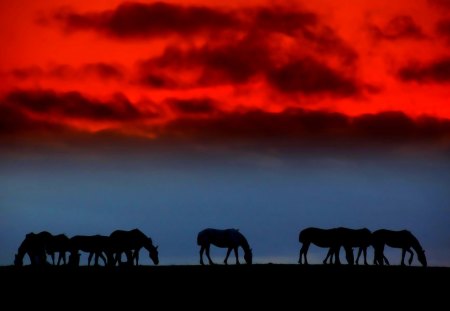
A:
(30, 114)
(103, 71)
(194, 106)
(437, 71)
(132, 19)
(242, 61)
(71, 105)
(443, 29)
(298, 126)
(399, 27)
(309, 76)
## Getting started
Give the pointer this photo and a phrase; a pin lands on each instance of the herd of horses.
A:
(111, 248)
(335, 238)
(107, 248)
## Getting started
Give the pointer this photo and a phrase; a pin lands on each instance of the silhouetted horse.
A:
(97, 245)
(350, 238)
(130, 243)
(397, 239)
(228, 238)
(34, 245)
(327, 238)
(58, 244)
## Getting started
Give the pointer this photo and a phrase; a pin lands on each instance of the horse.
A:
(93, 244)
(350, 238)
(130, 243)
(34, 245)
(228, 238)
(403, 239)
(58, 244)
(327, 238)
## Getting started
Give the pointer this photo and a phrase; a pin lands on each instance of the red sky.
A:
(235, 69)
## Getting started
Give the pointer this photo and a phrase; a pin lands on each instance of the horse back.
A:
(219, 238)
(122, 239)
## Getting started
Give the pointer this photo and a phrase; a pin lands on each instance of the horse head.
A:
(248, 256)
(421, 257)
(153, 253)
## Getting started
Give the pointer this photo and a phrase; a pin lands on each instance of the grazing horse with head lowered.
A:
(397, 239)
(34, 245)
(327, 238)
(130, 243)
(228, 238)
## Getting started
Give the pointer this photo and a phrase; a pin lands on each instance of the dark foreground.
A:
(276, 286)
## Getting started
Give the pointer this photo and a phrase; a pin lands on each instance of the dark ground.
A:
(273, 286)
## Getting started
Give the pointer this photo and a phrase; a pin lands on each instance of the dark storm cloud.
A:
(437, 71)
(158, 19)
(267, 43)
(233, 62)
(14, 121)
(139, 20)
(309, 76)
(300, 126)
(71, 105)
(240, 62)
(103, 71)
(399, 27)
(193, 106)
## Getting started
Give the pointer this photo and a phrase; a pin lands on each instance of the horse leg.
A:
(379, 257)
(359, 255)
(349, 255)
(102, 258)
(90, 258)
(62, 255)
(365, 255)
(53, 257)
(130, 257)
(136, 256)
(337, 260)
(303, 253)
(411, 256)
(236, 253)
(329, 255)
(228, 254)
(119, 258)
(403, 256)
(207, 255)
(202, 249)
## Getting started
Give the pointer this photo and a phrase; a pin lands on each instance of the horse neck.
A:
(244, 244)
(148, 245)
(415, 244)
(23, 249)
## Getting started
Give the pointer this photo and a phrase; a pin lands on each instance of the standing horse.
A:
(34, 245)
(228, 238)
(327, 238)
(130, 243)
(397, 239)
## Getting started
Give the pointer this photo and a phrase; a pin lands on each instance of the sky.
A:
(267, 116)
